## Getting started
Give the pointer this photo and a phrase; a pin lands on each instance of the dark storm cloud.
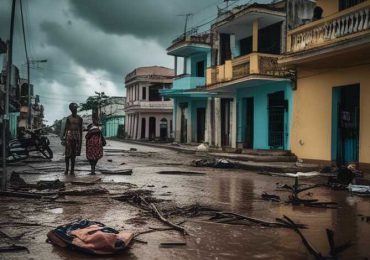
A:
(155, 19)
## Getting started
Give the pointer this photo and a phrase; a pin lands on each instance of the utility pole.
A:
(185, 30)
(186, 21)
(7, 89)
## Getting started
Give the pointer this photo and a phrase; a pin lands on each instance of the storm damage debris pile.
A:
(295, 200)
(90, 237)
(214, 163)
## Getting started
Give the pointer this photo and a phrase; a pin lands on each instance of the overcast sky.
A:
(91, 45)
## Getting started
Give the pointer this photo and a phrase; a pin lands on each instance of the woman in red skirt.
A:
(94, 145)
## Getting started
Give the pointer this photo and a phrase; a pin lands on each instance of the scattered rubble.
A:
(214, 163)
(116, 171)
(181, 173)
(270, 197)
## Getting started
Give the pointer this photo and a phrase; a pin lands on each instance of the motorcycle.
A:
(20, 147)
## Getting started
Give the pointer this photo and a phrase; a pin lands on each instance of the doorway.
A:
(201, 124)
(184, 123)
(346, 124)
(249, 130)
(142, 135)
(225, 121)
(152, 124)
(163, 126)
(276, 107)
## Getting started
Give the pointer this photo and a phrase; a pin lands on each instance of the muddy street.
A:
(172, 182)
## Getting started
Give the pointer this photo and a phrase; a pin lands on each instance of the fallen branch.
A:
(13, 248)
(162, 219)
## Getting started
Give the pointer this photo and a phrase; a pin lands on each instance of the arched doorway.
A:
(163, 126)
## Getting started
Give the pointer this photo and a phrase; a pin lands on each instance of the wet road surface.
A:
(228, 190)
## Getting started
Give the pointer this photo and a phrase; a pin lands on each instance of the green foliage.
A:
(94, 102)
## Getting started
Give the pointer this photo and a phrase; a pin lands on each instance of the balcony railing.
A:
(149, 104)
(188, 82)
(343, 25)
(195, 38)
(244, 66)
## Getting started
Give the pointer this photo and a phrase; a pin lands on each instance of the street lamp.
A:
(29, 87)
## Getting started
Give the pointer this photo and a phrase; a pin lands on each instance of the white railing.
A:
(349, 22)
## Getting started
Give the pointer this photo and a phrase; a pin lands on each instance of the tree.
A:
(95, 103)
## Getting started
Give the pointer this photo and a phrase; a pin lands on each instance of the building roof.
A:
(150, 71)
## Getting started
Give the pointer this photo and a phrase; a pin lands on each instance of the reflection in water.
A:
(236, 192)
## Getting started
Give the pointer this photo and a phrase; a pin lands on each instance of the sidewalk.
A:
(277, 162)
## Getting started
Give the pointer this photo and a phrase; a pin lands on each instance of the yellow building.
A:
(331, 54)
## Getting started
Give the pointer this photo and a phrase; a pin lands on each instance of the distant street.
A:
(226, 190)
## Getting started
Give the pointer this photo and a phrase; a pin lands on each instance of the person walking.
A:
(94, 144)
(72, 138)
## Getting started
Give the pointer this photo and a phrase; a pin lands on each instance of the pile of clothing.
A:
(90, 237)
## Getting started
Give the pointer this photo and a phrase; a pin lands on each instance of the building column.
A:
(135, 125)
(217, 127)
(255, 35)
(175, 65)
(177, 128)
(233, 123)
(190, 123)
(128, 124)
(157, 126)
(147, 127)
(147, 93)
(138, 135)
(208, 128)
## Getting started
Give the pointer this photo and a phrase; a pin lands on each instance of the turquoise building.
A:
(188, 92)
(250, 94)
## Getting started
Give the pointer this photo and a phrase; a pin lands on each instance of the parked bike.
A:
(36, 141)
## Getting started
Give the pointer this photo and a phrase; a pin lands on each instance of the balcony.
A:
(188, 82)
(347, 25)
(257, 64)
(148, 105)
(188, 45)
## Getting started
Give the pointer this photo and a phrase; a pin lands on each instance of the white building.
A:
(148, 114)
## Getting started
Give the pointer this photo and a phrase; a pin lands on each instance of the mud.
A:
(226, 190)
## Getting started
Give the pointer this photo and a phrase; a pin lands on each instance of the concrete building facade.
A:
(332, 100)
(148, 113)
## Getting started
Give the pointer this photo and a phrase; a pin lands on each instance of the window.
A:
(269, 39)
(143, 94)
(200, 69)
(344, 4)
(245, 46)
(154, 94)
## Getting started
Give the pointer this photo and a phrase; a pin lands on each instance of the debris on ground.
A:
(13, 248)
(116, 171)
(202, 148)
(86, 180)
(214, 163)
(237, 219)
(50, 185)
(180, 173)
(172, 244)
(133, 149)
(297, 188)
(360, 190)
(334, 251)
(90, 237)
(17, 183)
(109, 160)
(270, 197)
(84, 191)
